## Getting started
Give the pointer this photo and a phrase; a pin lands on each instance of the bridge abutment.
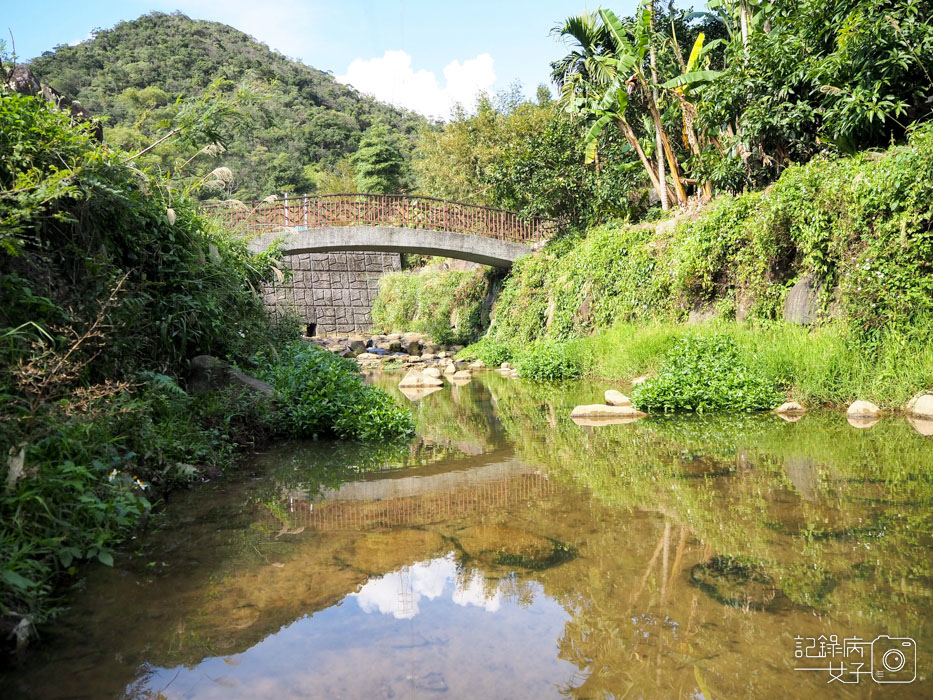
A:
(334, 291)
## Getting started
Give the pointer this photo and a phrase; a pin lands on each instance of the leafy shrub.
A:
(550, 359)
(706, 374)
(320, 394)
(491, 352)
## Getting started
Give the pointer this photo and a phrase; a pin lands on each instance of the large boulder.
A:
(599, 410)
(802, 302)
(20, 79)
(415, 380)
(412, 347)
(432, 372)
(209, 373)
(356, 346)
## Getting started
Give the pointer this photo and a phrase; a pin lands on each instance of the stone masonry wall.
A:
(334, 291)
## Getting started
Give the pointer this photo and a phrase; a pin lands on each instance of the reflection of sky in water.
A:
(423, 632)
(399, 593)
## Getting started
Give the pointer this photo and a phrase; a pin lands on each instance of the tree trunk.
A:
(665, 205)
(632, 139)
(668, 151)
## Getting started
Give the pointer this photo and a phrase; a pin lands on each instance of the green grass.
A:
(826, 365)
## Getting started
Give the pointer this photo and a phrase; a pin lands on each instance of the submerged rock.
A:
(599, 410)
(863, 421)
(417, 393)
(616, 398)
(924, 426)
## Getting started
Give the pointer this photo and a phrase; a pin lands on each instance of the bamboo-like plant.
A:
(598, 77)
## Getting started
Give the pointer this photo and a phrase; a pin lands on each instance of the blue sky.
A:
(415, 53)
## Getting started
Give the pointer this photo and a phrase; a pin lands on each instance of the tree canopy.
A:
(139, 73)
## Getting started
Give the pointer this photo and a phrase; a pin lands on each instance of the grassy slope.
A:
(859, 226)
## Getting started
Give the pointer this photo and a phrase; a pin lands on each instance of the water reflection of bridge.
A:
(422, 496)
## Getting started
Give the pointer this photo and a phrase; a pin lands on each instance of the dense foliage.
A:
(320, 395)
(860, 227)
(446, 305)
(379, 162)
(706, 374)
(753, 87)
(521, 155)
(297, 138)
(547, 360)
(851, 74)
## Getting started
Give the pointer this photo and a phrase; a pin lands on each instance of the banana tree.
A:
(597, 80)
(630, 55)
(691, 77)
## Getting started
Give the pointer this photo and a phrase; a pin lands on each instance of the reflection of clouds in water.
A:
(472, 591)
(399, 593)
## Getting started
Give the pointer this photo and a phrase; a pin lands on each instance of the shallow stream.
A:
(507, 552)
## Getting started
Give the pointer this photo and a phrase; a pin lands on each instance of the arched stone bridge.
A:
(385, 223)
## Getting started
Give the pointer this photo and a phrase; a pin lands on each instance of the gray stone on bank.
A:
(801, 305)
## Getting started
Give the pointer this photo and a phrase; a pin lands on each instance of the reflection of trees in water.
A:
(835, 517)
(461, 415)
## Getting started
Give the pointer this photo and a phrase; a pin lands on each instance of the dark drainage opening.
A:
(311, 330)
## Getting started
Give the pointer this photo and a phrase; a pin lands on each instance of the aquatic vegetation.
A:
(320, 394)
(706, 374)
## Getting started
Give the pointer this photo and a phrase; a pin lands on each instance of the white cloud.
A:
(392, 79)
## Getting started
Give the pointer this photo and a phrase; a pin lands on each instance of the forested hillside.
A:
(297, 135)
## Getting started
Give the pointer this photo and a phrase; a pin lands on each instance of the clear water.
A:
(509, 553)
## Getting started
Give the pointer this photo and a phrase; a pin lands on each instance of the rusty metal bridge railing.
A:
(398, 210)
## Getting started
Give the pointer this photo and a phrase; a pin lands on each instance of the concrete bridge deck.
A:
(385, 223)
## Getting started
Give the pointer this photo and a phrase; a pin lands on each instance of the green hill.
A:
(297, 139)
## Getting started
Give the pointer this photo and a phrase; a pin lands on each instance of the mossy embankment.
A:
(611, 302)
(452, 306)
